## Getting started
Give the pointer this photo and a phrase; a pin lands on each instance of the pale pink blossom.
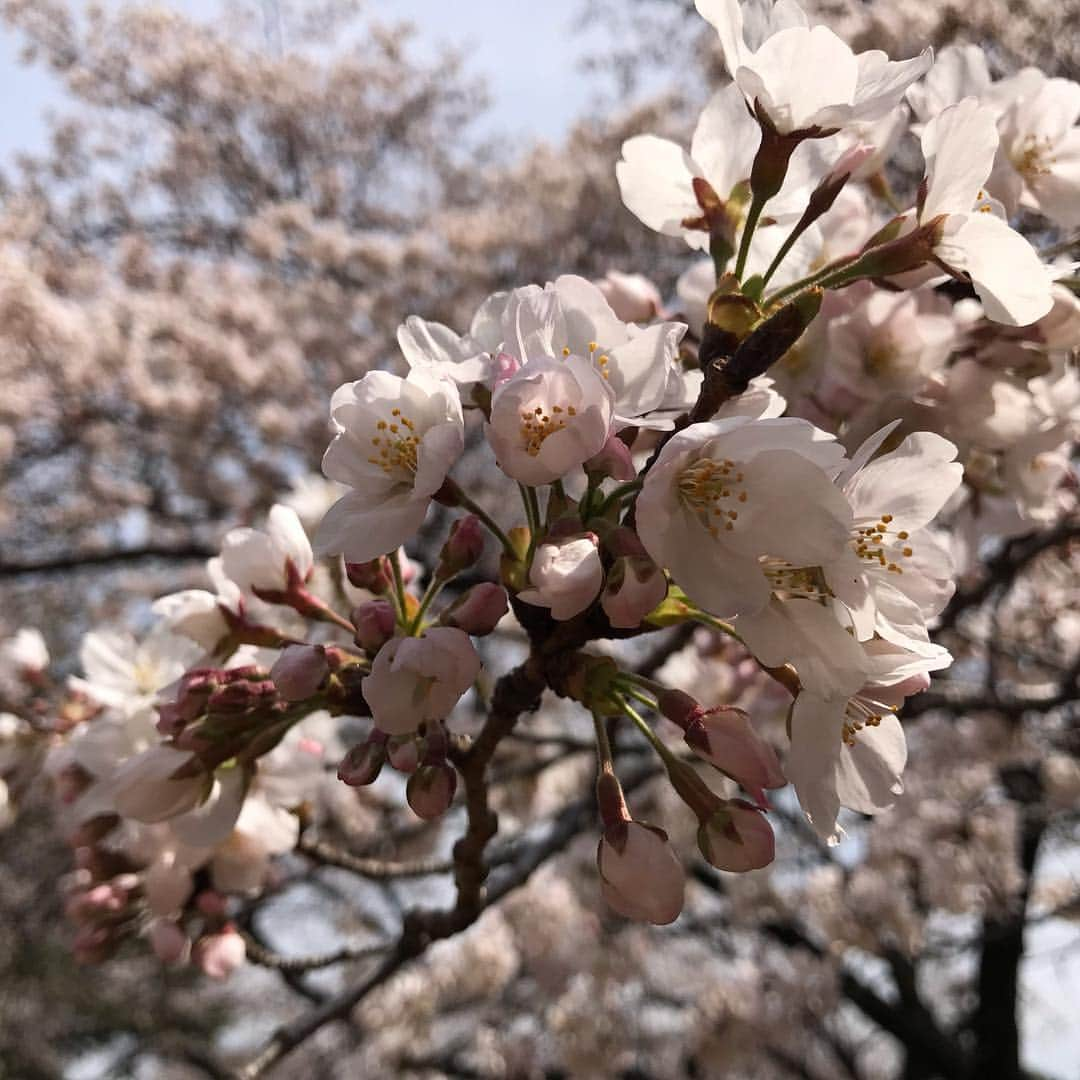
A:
(418, 679)
(566, 575)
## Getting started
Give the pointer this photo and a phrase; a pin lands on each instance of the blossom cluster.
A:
(850, 371)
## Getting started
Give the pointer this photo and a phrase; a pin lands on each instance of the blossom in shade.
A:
(198, 614)
(737, 837)
(254, 559)
(418, 679)
(632, 297)
(396, 441)
(850, 750)
(566, 575)
(634, 586)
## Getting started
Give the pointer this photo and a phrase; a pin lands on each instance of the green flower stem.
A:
(666, 756)
(433, 590)
(629, 488)
(399, 587)
(757, 204)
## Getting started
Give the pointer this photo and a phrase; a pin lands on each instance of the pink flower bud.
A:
(299, 671)
(375, 575)
(462, 549)
(505, 366)
(430, 790)
(634, 587)
(375, 623)
(642, 877)
(633, 297)
(170, 944)
(478, 612)
(212, 904)
(219, 955)
(363, 763)
(614, 460)
(403, 752)
(724, 737)
(737, 837)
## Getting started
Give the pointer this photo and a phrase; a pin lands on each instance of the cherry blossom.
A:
(396, 441)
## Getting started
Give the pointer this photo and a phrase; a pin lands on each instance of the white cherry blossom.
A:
(959, 145)
(196, 613)
(567, 317)
(549, 418)
(850, 750)
(255, 559)
(805, 78)
(396, 441)
(895, 574)
(726, 495)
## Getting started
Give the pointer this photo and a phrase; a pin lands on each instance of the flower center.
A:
(396, 445)
(602, 361)
(875, 543)
(710, 488)
(1034, 156)
(795, 582)
(882, 359)
(862, 712)
(537, 424)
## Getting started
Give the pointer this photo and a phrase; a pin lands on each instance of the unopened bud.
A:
(462, 549)
(403, 752)
(299, 671)
(430, 790)
(737, 838)
(375, 575)
(633, 297)
(724, 737)
(613, 460)
(219, 955)
(170, 944)
(363, 763)
(634, 587)
(375, 623)
(479, 610)
(642, 877)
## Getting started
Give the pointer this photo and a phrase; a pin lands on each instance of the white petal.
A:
(656, 183)
(959, 145)
(1008, 276)
(868, 777)
(360, 530)
(814, 758)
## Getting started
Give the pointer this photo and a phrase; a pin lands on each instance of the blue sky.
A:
(529, 53)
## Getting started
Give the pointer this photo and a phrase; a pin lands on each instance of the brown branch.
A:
(257, 953)
(377, 869)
